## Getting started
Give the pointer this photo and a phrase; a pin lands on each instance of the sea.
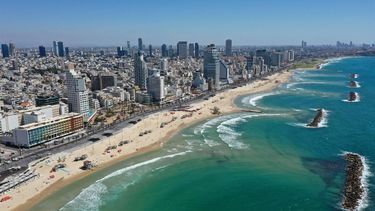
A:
(248, 161)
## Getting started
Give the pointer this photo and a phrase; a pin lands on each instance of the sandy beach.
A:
(30, 193)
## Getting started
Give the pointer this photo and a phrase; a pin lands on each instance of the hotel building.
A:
(37, 133)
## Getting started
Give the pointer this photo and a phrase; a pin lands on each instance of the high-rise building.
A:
(170, 51)
(304, 44)
(12, 49)
(290, 55)
(164, 64)
(5, 50)
(121, 52)
(191, 50)
(155, 87)
(78, 98)
(265, 55)
(140, 44)
(182, 49)
(140, 71)
(54, 48)
(60, 49)
(67, 52)
(211, 66)
(224, 72)
(276, 59)
(196, 50)
(103, 80)
(164, 50)
(42, 51)
(228, 47)
(150, 50)
(128, 45)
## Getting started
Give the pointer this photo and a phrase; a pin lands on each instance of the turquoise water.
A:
(246, 161)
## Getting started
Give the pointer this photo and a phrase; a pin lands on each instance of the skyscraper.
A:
(12, 49)
(276, 59)
(155, 87)
(60, 49)
(228, 47)
(128, 45)
(170, 51)
(191, 49)
(211, 66)
(150, 50)
(265, 55)
(67, 52)
(304, 44)
(224, 72)
(196, 50)
(182, 49)
(5, 50)
(164, 50)
(140, 44)
(78, 98)
(164, 64)
(140, 71)
(42, 51)
(290, 55)
(54, 48)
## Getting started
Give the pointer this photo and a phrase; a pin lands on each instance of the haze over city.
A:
(110, 23)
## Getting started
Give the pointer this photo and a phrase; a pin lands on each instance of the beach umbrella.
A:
(5, 198)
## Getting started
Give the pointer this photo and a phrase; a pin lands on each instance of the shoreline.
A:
(38, 189)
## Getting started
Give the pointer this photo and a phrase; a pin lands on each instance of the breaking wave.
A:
(90, 198)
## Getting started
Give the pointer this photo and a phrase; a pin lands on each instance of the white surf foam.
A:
(202, 129)
(358, 99)
(290, 85)
(123, 170)
(328, 62)
(231, 137)
(252, 100)
(187, 135)
(322, 124)
(357, 85)
(90, 198)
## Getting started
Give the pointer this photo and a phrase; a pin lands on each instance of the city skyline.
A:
(250, 23)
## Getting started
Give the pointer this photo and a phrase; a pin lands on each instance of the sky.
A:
(31, 23)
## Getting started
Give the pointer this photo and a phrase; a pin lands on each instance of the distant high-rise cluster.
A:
(121, 51)
(304, 44)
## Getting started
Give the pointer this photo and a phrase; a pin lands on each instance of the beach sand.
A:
(30, 193)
